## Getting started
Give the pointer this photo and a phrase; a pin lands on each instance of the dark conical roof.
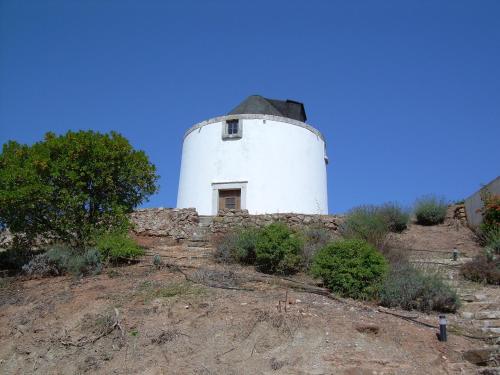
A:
(256, 104)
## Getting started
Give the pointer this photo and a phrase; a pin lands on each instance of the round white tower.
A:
(262, 157)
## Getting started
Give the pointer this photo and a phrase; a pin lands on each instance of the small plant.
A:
(117, 246)
(365, 223)
(490, 238)
(237, 246)
(430, 210)
(42, 266)
(484, 268)
(352, 268)
(408, 288)
(4, 283)
(112, 273)
(314, 238)
(491, 209)
(88, 263)
(488, 234)
(60, 259)
(134, 332)
(395, 216)
(277, 250)
(157, 261)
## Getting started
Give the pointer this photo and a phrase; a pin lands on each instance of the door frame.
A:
(216, 186)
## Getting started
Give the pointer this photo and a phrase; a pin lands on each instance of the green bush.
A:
(489, 236)
(117, 246)
(237, 246)
(430, 210)
(315, 238)
(74, 262)
(352, 268)
(408, 288)
(365, 223)
(87, 263)
(491, 208)
(395, 216)
(277, 250)
(60, 259)
(484, 268)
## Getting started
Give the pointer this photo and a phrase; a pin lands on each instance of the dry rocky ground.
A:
(192, 316)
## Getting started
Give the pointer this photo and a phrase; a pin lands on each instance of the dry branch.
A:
(82, 342)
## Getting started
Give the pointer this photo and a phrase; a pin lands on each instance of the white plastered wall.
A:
(280, 161)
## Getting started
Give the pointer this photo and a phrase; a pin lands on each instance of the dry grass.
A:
(150, 290)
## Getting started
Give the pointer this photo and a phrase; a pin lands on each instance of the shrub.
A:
(76, 263)
(67, 187)
(430, 210)
(88, 263)
(42, 266)
(61, 259)
(117, 246)
(237, 246)
(493, 240)
(491, 209)
(365, 223)
(489, 236)
(408, 288)
(483, 269)
(314, 238)
(395, 217)
(277, 250)
(352, 268)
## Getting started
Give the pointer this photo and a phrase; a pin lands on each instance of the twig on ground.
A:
(408, 318)
(83, 341)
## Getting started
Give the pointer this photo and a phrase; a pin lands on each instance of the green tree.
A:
(72, 186)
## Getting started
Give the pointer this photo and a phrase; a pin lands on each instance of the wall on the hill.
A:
(474, 203)
(229, 219)
(177, 224)
(181, 224)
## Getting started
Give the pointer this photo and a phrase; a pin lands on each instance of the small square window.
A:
(232, 129)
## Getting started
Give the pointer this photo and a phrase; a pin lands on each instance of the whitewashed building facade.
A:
(261, 157)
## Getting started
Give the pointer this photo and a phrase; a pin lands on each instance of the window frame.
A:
(228, 131)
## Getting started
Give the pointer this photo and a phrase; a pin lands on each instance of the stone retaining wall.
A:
(182, 224)
(177, 224)
(229, 219)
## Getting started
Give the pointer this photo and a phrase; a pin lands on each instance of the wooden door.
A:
(230, 199)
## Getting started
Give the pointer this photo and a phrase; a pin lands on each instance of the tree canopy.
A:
(70, 186)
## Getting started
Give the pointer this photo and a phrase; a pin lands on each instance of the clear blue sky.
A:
(407, 93)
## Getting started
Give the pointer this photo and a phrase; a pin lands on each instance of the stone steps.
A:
(200, 236)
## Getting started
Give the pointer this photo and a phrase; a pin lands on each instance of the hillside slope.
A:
(193, 316)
